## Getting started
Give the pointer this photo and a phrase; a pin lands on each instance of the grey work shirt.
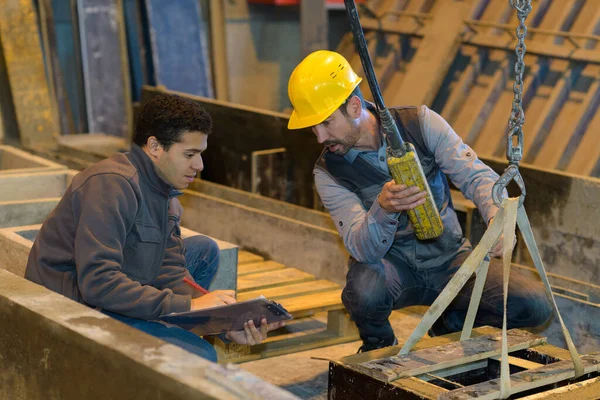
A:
(369, 234)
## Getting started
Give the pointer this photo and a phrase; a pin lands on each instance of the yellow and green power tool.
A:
(402, 158)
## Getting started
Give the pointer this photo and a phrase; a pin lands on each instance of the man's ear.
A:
(154, 146)
(354, 107)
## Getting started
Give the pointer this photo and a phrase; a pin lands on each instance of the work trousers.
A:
(202, 261)
(373, 290)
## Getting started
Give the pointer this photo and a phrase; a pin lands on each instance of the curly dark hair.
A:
(167, 117)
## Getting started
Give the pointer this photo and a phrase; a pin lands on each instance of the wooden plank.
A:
(219, 51)
(568, 122)
(519, 362)
(313, 26)
(283, 292)
(293, 343)
(460, 369)
(526, 380)
(460, 202)
(493, 134)
(434, 56)
(462, 88)
(586, 156)
(265, 280)
(485, 106)
(346, 384)
(262, 266)
(181, 61)
(310, 304)
(442, 357)
(105, 66)
(425, 343)
(245, 257)
(532, 142)
(33, 105)
(298, 335)
(586, 390)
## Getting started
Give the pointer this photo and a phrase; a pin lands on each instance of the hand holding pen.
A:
(210, 299)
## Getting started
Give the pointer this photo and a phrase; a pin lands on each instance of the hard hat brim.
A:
(298, 123)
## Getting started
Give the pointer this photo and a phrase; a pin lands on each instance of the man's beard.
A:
(346, 144)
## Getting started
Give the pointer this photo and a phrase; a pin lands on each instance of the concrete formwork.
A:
(15, 161)
(311, 248)
(16, 242)
(56, 348)
(26, 199)
(91, 147)
(299, 239)
(564, 208)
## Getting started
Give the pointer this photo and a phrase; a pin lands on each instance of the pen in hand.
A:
(195, 285)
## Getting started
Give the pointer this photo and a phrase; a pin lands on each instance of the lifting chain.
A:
(514, 152)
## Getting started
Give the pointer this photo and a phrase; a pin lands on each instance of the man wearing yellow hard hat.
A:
(389, 268)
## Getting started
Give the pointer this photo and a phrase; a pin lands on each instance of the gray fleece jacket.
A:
(113, 243)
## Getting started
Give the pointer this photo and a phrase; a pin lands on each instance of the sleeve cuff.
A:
(179, 303)
(381, 216)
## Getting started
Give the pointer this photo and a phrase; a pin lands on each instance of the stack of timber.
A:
(303, 295)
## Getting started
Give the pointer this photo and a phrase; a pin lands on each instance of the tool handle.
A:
(387, 122)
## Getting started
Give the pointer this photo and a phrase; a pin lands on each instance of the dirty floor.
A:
(305, 374)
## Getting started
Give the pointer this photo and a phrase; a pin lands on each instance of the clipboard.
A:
(230, 317)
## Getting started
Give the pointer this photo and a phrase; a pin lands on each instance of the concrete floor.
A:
(305, 376)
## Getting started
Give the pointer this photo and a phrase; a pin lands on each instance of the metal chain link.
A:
(517, 116)
(514, 153)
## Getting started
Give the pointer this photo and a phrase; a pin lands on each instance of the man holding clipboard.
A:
(113, 242)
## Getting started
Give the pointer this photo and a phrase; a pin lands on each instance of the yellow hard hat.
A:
(318, 86)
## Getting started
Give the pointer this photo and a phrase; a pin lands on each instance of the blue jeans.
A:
(202, 261)
(373, 290)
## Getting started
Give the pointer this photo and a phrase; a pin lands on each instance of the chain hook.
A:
(514, 152)
(510, 173)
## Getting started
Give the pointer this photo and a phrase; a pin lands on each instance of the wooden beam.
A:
(586, 156)
(463, 86)
(569, 14)
(448, 356)
(586, 390)
(20, 39)
(535, 138)
(219, 50)
(105, 67)
(571, 123)
(593, 30)
(297, 289)
(245, 257)
(313, 26)
(310, 304)
(485, 107)
(253, 268)
(265, 280)
(434, 55)
(494, 132)
(526, 380)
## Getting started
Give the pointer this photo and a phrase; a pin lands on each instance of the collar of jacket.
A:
(148, 172)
